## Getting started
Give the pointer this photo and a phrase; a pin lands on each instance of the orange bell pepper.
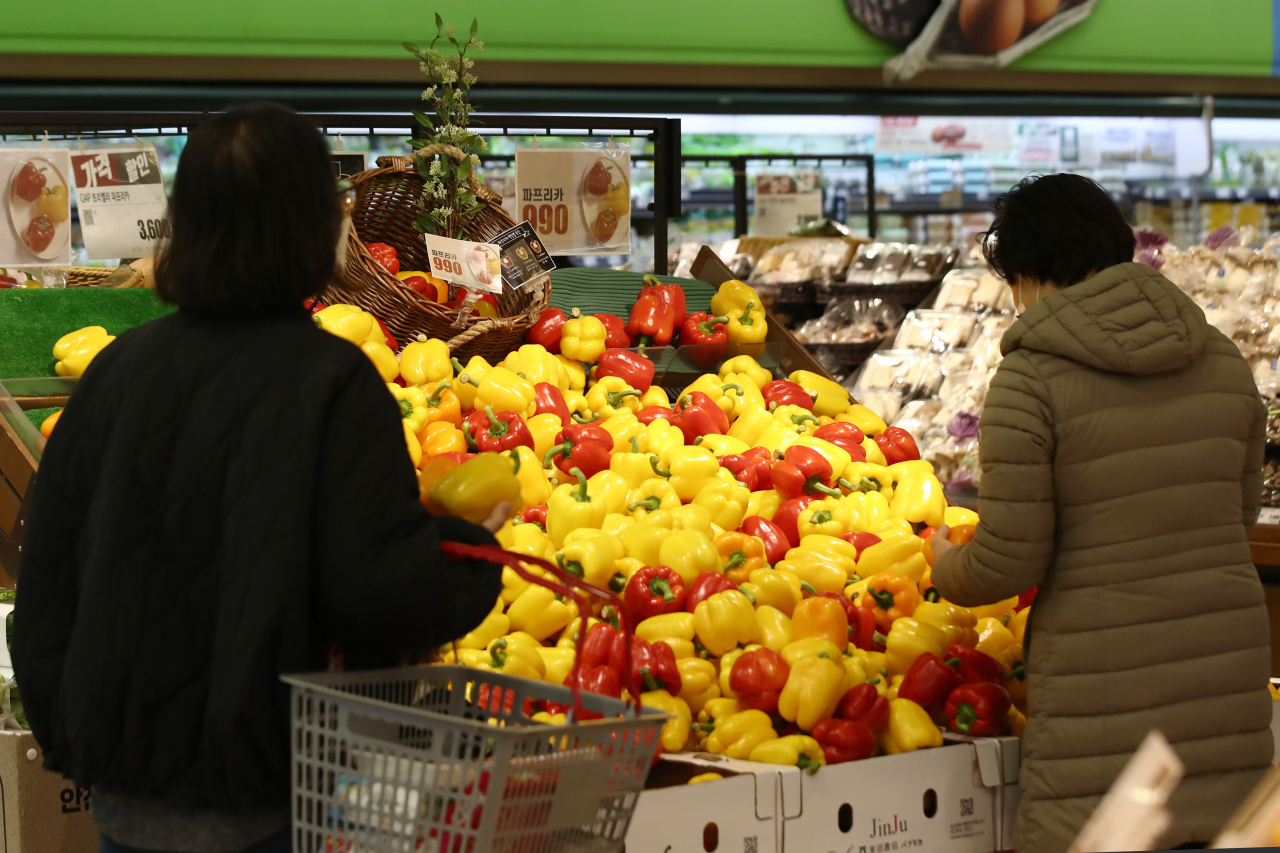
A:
(820, 617)
(441, 437)
(889, 596)
(740, 555)
(442, 403)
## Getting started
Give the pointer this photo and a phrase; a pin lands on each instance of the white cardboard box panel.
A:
(675, 817)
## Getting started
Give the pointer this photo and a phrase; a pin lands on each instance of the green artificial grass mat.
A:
(594, 291)
(37, 416)
(31, 321)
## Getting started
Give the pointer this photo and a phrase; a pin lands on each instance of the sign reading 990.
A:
(547, 218)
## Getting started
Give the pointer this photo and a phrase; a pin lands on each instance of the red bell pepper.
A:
(844, 740)
(803, 471)
(862, 702)
(981, 710)
(550, 400)
(709, 334)
(615, 329)
(743, 471)
(486, 305)
(649, 414)
(705, 585)
(652, 319)
(929, 682)
(458, 456)
(844, 435)
(652, 591)
(780, 392)
(975, 666)
(761, 458)
(775, 541)
(787, 515)
(862, 632)
(653, 665)
(595, 647)
(1025, 599)
(861, 541)
(601, 679)
(497, 431)
(633, 368)
(673, 294)
(758, 677)
(534, 515)
(547, 330)
(386, 255)
(897, 445)
(584, 446)
(697, 415)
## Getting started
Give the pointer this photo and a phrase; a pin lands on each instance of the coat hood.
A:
(1126, 319)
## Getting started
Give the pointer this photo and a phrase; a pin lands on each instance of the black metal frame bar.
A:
(664, 133)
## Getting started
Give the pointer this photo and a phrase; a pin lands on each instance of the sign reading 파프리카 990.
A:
(577, 200)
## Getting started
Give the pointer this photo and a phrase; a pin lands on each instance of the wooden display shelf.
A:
(1264, 544)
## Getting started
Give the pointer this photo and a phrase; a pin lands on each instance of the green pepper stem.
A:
(562, 449)
(614, 398)
(799, 419)
(808, 765)
(1004, 620)
(610, 615)
(457, 365)
(736, 558)
(845, 484)
(953, 662)
(661, 472)
(646, 678)
(734, 385)
(497, 428)
(573, 567)
(618, 582)
(698, 441)
(873, 681)
(855, 577)
(406, 408)
(660, 586)
(708, 327)
(515, 461)
(650, 503)
(746, 319)
(869, 484)
(577, 418)
(965, 717)
(883, 598)
(703, 727)
(821, 517)
(434, 400)
(1018, 672)
(931, 595)
(635, 444)
(749, 596)
(686, 401)
(814, 485)
(805, 586)
(580, 494)
(471, 439)
(497, 654)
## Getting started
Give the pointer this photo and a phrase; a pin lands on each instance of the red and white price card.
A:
(120, 195)
(472, 265)
(577, 200)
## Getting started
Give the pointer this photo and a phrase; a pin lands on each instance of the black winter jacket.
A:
(223, 499)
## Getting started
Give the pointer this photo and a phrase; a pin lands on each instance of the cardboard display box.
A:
(41, 812)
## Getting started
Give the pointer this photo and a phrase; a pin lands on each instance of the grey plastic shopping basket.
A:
(444, 759)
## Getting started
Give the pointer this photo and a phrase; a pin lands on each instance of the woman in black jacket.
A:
(227, 497)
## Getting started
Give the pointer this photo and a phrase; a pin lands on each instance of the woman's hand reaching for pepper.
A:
(498, 517)
(940, 543)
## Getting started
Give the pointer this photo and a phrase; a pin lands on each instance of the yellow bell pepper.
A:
(891, 527)
(582, 339)
(568, 638)
(469, 379)
(1016, 675)
(663, 435)
(413, 406)
(908, 639)
(667, 626)
(724, 620)
(900, 555)
(810, 647)
(956, 621)
(471, 490)
(557, 662)
(776, 588)
(571, 507)
(515, 658)
(1002, 610)
(688, 469)
(910, 468)
(792, 751)
(918, 498)
(650, 496)
(533, 363)
(473, 658)
(616, 524)
(733, 294)
(867, 511)
(74, 351)
(549, 719)
(831, 545)
(1018, 625)
(688, 553)
(384, 360)
(829, 397)
(612, 488)
(591, 558)
(697, 682)
(736, 735)
(828, 516)
(576, 373)
(812, 691)
(526, 539)
(1018, 721)
(727, 503)
(751, 422)
(777, 437)
(675, 731)
(715, 388)
(692, 517)
(748, 324)
(727, 661)
(643, 540)
(544, 429)
(864, 419)
(426, 361)
(823, 571)
(535, 488)
(797, 419)
(539, 613)
(634, 466)
(993, 637)
(764, 504)
(745, 365)
(866, 477)
(722, 445)
(775, 627)
(748, 398)
(655, 396)
(909, 729)
(954, 516)
(875, 455)
(613, 396)
(504, 391)
(494, 626)
(718, 709)
(346, 321)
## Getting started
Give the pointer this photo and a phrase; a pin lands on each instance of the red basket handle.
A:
(514, 561)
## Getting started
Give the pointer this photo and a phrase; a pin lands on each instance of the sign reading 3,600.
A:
(153, 229)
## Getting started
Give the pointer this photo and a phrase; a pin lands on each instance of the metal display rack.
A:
(664, 133)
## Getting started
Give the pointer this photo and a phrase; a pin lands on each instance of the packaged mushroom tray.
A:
(935, 378)
(848, 331)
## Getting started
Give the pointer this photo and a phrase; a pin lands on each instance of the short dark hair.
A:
(1056, 228)
(254, 212)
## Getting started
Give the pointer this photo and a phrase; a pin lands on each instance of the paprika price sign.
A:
(578, 201)
(471, 265)
(120, 194)
(37, 203)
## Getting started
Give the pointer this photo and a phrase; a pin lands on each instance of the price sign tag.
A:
(524, 258)
(472, 265)
(1269, 515)
(577, 200)
(778, 213)
(36, 185)
(120, 194)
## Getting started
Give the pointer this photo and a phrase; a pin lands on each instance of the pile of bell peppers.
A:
(769, 535)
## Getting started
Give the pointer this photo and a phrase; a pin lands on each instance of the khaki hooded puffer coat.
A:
(1122, 448)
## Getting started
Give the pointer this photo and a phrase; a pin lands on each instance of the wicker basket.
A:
(86, 276)
(386, 207)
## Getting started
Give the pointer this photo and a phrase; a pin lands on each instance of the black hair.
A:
(1059, 229)
(255, 214)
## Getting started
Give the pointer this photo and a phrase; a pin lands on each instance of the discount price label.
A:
(121, 199)
(473, 265)
(577, 201)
